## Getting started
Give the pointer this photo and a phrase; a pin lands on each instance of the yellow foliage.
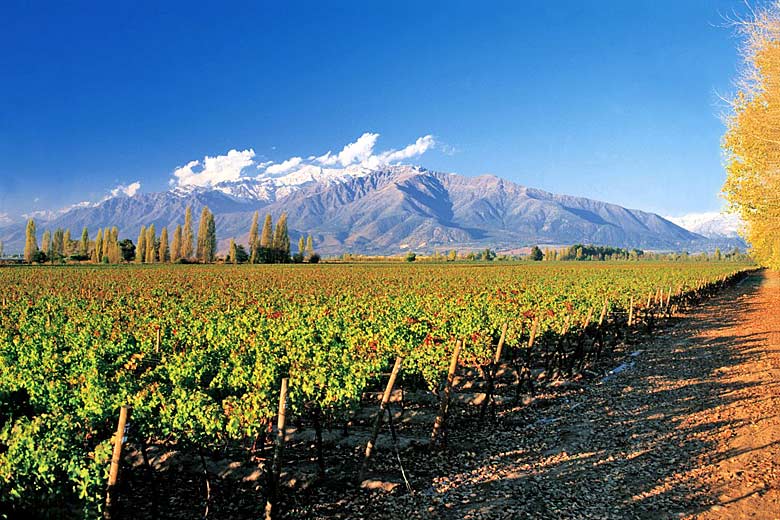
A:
(752, 140)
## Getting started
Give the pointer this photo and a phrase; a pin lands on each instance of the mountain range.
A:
(387, 210)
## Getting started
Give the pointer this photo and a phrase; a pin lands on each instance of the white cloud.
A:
(128, 191)
(362, 152)
(284, 166)
(5, 218)
(214, 170)
(358, 151)
(328, 159)
(419, 147)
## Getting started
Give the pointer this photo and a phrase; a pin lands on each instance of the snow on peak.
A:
(710, 224)
(270, 187)
(229, 173)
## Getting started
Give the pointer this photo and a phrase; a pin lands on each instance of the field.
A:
(199, 352)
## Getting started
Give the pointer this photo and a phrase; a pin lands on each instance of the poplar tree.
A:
(212, 234)
(267, 237)
(752, 140)
(164, 253)
(282, 240)
(301, 246)
(1, 249)
(58, 244)
(30, 242)
(151, 238)
(106, 245)
(207, 237)
(140, 250)
(176, 244)
(97, 256)
(233, 251)
(46, 243)
(253, 237)
(309, 246)
(114, 250)
(84, 242)
(263, 251)
(186, 235)
(66, 245)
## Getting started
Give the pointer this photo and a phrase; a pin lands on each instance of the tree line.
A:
(271, 246)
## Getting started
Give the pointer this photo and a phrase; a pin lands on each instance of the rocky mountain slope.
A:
(386, 211)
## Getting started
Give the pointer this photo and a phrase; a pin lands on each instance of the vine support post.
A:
(500, 346)
(276, 465)
(491, 375)
(631, 312)
(116, 459)
(603, 312)
(524, 373)
(378, 420)
(444, 402)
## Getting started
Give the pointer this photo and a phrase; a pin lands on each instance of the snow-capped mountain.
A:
(710, 224)
(269, 188)
(385, 210)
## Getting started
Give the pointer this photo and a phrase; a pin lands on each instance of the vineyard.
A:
(199, 354)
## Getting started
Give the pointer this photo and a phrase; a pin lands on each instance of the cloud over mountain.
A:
(213, 170)
(233, 166)
(129, 190)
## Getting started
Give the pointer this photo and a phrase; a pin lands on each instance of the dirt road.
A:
(689, 430)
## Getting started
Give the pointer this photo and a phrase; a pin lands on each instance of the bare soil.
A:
(689, 428)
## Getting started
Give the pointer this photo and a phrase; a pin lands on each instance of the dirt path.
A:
(742, 471)
(690, 430)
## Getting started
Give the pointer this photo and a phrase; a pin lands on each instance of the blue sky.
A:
(612, 100)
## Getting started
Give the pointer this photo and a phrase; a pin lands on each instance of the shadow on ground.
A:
(628, 447)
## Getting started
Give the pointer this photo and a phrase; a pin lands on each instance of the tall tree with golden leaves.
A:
(176, 244)
(187, 236)
(151, 238)
(752, 139)
(207, 237)
(30, 242)
(164, 253)
(140, 247)
(253, 237)
(97, 254)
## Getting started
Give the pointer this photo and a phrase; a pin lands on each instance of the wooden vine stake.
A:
(603, 312)
(116, 459)
(587, 319)
(276, 465)
(532, 336)
(378, 420)
(444, 402)
(491, 374)
(631, 312)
